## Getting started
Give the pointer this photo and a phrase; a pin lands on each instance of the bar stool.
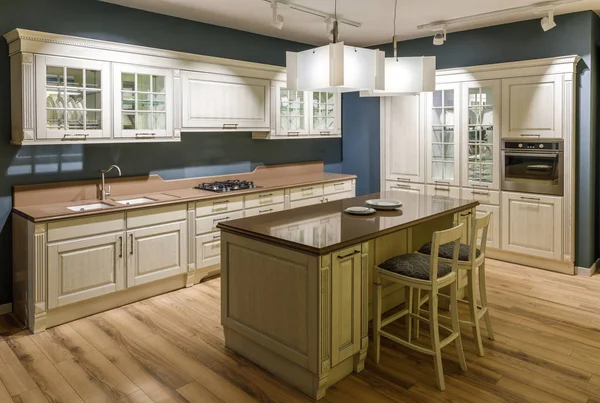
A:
(421, 272)
(470, 258)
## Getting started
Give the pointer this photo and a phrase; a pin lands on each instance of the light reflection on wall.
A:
(47, 160)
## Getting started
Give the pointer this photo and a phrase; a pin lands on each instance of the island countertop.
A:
(324, 228)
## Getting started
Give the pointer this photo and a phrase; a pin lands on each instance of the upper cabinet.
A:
(443, 126)
(143, 102)
(403, 143)
(72, 99)
(325, 118)
(532, 106)
(480, 107)
(213, 102)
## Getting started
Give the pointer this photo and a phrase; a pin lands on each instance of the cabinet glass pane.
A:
(158, 84)
(75, 120)
(438, 118)
(437, 151)
(93, 79)
(158, 102)
(160, 121)
(128, 99)
(437, 135)
(55, 98)
(292, 110)
(74, 99)
(323, 110)
(128, 121)
(55, 119)
(128, 81)
(143, 102)
(93, 100)
(449, 117)
(55, 76)
(93, 120)
(449, 98)
(442, 147)
(143, 83)
(481, 134)
(437, 99)
(74, 77)
(144, 121)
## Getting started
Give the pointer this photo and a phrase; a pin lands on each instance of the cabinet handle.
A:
(120, 246)
(220, 219)
(266, 195)
(145, 135)
(325, 132)
(530, 198)
(401, 187)
(349, 254)
(325, 200)
(131, 241)
(402, 180)
(531, 135)
(74, 137)
(216, 236)
(442, 189)
(465, 214)
(339, 184)
(221, 202)
(480, 186)
(293, 227)
(265, 211)
(442, 182)
(306, 189)
(230, 125)
(475, 192)
(293, 134)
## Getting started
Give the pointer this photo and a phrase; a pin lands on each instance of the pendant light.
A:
(405, 75)
(335, 67)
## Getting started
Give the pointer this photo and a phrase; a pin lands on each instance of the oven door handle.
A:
(540, 155)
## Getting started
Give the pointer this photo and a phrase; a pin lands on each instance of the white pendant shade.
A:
(406, 75)
(336, 67)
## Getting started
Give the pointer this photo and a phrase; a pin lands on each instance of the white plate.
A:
(358, 210)
(384, 204)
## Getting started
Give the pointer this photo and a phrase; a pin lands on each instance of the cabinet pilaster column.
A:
(37, 314)
(191, 235)
(324, 324)
(359, 359)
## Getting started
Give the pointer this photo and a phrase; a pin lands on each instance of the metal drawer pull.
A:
(267, 195)
(74, 137)
(349, 254)
(465, 214)
(531, 135)
(475, 192)
(401, 187)
(339, 184)
(403, 180)
(442, 182)
(216, 236)
(481, 186)
(131, 238)
(120, 246)
(220, 219)
(221, 202)
(293, 134)
(530, 198)
(265, 211)
(305, 189)
(230, 125)
(442, 189)
(325, 132)
(145, 135)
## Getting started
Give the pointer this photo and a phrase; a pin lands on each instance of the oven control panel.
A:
(541, 145)
(531, 146)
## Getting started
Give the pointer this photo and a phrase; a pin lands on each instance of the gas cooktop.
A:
(226, 186)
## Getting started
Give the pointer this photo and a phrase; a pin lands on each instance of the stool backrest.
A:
(479, 224)
(442, 238)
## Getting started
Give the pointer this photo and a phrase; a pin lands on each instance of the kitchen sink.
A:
(87, 207)
(138, 200)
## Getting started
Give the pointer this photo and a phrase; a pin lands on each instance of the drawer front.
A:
(337, 187)
(417, 188)
(263, 210)
(156, 215)
(85, 226)
(209, 224)
(306, 192)
(306, 202)
(218, 206)
(337, 196)
(443, 191)
(208, 250)
(263, 199)
(482, 195)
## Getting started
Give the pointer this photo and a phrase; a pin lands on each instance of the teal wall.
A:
(198, 154)
(575, 34)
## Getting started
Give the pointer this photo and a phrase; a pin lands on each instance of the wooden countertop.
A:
(324, 228)
(64, 195)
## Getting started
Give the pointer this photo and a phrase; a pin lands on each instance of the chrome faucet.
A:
(103, 191)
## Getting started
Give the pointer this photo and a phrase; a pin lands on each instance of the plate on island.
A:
(384, 204)
(359, 210)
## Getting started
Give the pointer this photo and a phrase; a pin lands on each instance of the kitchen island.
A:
(296, 285)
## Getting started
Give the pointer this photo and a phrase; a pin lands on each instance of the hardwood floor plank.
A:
(31, 396)
(52, 349)
(13, 374)
(196, 393)
(136, 397)
(85, 385)
(529, 393)
(4, 394)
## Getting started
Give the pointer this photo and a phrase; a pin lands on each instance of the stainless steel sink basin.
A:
(137, 200)
(87, 207)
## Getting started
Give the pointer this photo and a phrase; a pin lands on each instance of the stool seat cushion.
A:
(414, 265)
(447, 251)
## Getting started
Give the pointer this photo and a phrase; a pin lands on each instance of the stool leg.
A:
(408, 296)
(473, 312)
(484, 303)
(456, 326)
(434, 332)
(377, 316)
(417, 311)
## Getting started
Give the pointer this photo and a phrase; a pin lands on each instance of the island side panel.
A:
(270, 309)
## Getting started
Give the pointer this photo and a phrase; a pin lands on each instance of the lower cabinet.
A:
(346, 269)
(306, 202)
(532, 224)
(81, 269)
(156, 252)
(493, 235)
(208, 249)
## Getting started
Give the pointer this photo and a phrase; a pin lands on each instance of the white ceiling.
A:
(376, 16)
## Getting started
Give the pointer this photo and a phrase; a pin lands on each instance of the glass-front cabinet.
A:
(143, 102)
(73, 100)
(442, 135)
(480, 105)
(305, 113)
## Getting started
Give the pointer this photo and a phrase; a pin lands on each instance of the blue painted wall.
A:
(197, 155)
(574, 34)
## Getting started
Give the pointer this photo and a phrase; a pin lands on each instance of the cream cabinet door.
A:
(345, 303)
(85, 268)
(325, 111)
(157, 252)
(532, 224)
(493, 235)
(532, 106)
(223, 102)
(403, 144)
(291, 110)
(208, 250)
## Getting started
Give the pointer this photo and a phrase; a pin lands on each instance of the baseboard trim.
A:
(532, 261)
(585, 272)
(5, 308)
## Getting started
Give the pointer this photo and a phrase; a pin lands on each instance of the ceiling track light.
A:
(311, 11)
(277, 18)
(547, 22)
(440, 37)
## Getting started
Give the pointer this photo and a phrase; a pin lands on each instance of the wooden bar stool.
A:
(470, 258)
(427, 273)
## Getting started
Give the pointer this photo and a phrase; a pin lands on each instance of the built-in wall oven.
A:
(533, 166)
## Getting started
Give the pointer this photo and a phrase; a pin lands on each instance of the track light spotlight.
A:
(277, 18)
(439, 38)
(548, 21)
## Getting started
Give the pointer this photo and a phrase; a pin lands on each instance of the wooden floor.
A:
(170, 349)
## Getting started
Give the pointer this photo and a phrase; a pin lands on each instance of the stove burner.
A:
(226, 186)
